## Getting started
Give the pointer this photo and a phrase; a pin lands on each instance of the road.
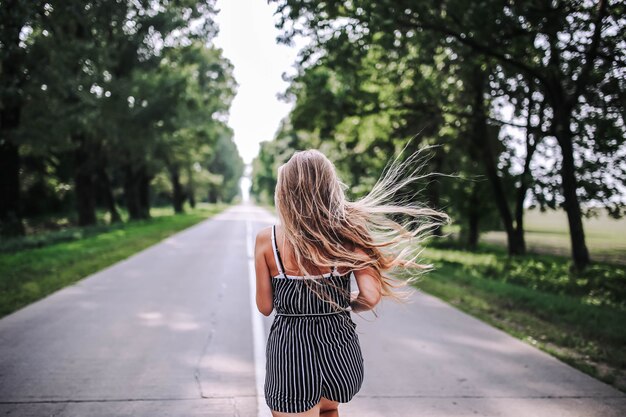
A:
(171, 330)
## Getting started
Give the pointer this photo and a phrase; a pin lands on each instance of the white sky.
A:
(248, 38)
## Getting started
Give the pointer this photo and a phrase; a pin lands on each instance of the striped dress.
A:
(313, 350)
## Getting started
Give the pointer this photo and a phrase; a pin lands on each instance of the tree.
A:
(227, 166)
(570, 53)
(16, 19)
(103, 94)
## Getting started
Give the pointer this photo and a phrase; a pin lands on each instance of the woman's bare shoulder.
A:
(264, 236)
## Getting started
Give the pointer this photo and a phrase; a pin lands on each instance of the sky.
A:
(247, 36)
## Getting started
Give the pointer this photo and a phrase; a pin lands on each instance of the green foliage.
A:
(599, 285)
(228, 167)
(271, 155)
(105, 96)
(514, 93)
(48, 238)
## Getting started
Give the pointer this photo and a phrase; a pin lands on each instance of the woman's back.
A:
(327, 293)
(311, 333)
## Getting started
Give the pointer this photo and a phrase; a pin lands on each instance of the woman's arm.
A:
(369, 290)
(264, 296)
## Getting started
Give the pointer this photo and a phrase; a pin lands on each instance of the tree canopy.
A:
(524, 99)
(101, 99)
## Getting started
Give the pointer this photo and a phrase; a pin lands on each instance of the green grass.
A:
(577, 318)
(548, 233)
(35, 266)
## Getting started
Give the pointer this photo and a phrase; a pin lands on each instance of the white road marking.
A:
(258, 333)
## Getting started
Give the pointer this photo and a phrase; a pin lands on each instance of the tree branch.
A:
(478, 47)
(592, 52)
(489, 118)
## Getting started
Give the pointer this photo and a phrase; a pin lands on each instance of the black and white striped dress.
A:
(312, 348)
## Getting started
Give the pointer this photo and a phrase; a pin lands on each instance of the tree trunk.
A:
(12, 79)
(107, 190)
(525, 177)
(191, 198)
(84, 182)
(482, 141)
(144, 192)
(178, 197)
(191, 195)
(580, 253)
(473, 219)
(520, 241)
(212, 194)
(432, 188)
(472, 235)
(131, 193)
(10, 211)
(519, 213)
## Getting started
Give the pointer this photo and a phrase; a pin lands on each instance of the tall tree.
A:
(570, 50)
(17, 19)
(100, 93)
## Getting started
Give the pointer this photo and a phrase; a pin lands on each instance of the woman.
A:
(303, 270)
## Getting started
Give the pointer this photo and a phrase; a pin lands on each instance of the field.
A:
(548, 233)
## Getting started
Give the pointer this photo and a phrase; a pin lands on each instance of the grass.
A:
(36, 266)
(577, 318)
(548, 233)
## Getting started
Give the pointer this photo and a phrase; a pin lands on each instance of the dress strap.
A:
(279, 262)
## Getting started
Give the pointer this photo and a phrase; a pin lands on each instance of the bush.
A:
(599, 284)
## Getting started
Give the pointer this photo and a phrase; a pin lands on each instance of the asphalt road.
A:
(171, 331)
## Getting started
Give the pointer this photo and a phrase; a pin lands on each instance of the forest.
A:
(521, 102)
(119, 105)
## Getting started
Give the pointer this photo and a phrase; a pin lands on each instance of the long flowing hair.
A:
(388, 224)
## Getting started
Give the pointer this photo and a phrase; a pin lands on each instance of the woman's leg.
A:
(325, 408)
(329, 408)
(313, 412)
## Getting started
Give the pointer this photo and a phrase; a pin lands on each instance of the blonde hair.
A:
(323, 227)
